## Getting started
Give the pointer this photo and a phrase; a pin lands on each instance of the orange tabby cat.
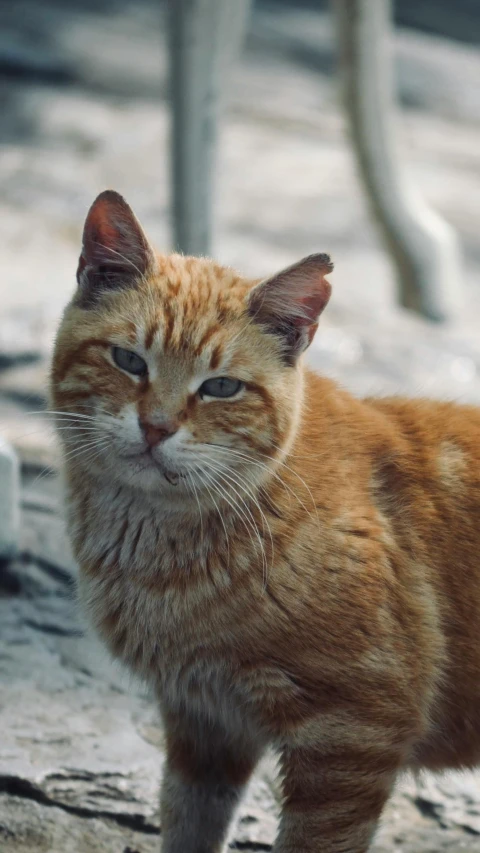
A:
(287, 565)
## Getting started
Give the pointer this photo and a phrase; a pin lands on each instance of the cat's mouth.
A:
(146, 457)
(171, 477)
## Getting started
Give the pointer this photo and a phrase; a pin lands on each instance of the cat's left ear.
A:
(289, 304)
(115, 251)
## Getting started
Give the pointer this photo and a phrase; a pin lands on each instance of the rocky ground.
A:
(82, 89)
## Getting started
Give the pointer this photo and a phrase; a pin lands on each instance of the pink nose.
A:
(155, 433)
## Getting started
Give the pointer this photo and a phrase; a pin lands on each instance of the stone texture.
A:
(81, 748)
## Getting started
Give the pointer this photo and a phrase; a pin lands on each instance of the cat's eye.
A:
(129, 361)
(220, 386)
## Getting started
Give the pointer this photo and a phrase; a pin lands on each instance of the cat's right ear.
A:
(115, 251)
(289, 304)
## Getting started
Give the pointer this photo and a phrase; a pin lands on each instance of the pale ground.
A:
(79, 754)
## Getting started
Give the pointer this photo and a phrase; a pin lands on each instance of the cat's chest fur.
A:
(160, 597)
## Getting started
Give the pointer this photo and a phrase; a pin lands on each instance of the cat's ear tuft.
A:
(289, 304)
(115, 251)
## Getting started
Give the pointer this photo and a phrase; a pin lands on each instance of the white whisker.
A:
(238, 479)
(122, 257)
(198, 473)
(245, 511)
(223, 495)
(192, 482)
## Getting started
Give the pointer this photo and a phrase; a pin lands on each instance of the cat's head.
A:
(173, 374)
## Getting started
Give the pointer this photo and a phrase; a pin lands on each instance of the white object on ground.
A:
(9, 501)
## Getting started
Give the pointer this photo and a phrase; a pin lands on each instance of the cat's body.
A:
(319, 589)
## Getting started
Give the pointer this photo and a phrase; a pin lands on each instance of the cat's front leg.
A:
(205, 774)
(333, 800)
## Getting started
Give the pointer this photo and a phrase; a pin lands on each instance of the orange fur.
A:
(304, 573)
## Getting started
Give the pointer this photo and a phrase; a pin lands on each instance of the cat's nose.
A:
(156, 433)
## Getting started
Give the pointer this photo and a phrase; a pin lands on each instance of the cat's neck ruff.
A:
(112, 522)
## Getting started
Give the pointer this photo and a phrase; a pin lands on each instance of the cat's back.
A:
(431, 475)
(439, 490)
(405, 474)
(408, 466)
(430, 485)
(397, 482)
(446, 434)
(409, 457)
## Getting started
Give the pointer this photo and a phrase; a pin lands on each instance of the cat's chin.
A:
(147, 476)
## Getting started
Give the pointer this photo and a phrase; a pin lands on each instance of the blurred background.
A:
(84, 106)
(84, 92)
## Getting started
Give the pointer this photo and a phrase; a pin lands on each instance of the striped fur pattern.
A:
(288, 566)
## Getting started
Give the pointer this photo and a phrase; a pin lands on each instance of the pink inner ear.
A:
(113, 236)
(293, 300)
(110, 235)
(104, 222)
(314, 303)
